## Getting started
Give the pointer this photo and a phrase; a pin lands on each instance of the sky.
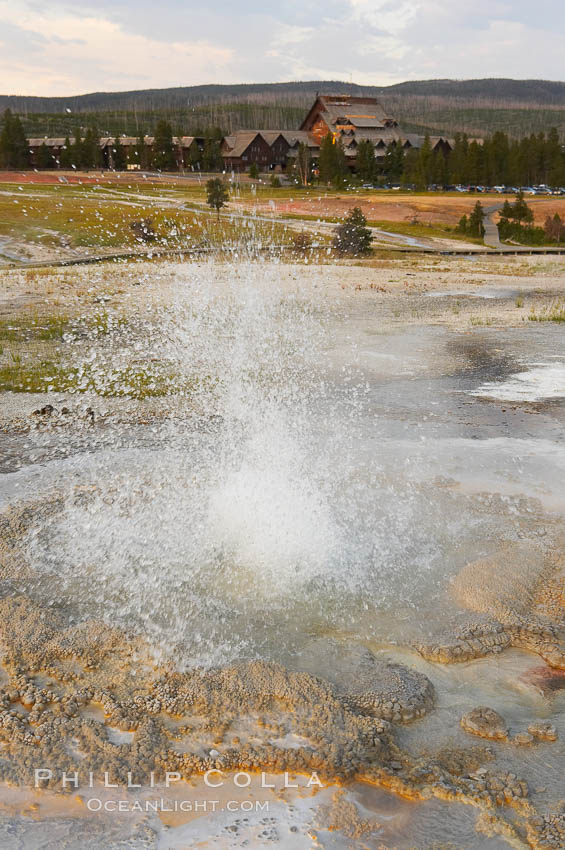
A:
(66, 48)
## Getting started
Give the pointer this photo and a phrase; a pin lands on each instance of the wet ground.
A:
(348, 470)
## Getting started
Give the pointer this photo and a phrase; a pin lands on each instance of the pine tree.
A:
(411, 173)
(475, 226)
(119, 156)
(141, 153)
(163, 149)
(217, 194)
(65, 157)
(326, 159)
(340, 166)
(475, 170)
(212, 156)
(556, 159)
(366, 163)
(498, 159)
(44, 159)
(14, 149)
(394, 161)
(91, 153)
(458, 167)
(521, 212)
(353, 236)
(424, 172)
(463, 225)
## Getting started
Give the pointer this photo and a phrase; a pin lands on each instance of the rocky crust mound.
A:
(485, 722)
(371, 685)
(519, 599)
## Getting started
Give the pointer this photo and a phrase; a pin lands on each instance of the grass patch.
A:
(553, 313)
(131, 382)
(88, 217)
(24, 329)
(438, 231)
(36, 377)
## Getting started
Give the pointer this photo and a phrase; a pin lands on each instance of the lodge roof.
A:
(344, 109)
(238, 142)
(48, 142)
(105, 141)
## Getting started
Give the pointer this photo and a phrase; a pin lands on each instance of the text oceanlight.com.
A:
(95, 804)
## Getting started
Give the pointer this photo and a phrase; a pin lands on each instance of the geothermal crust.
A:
(519, 599)
(90, 698)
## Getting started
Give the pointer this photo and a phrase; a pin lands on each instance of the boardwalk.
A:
(491, 237)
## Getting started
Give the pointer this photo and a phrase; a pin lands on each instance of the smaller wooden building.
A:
(245, 148)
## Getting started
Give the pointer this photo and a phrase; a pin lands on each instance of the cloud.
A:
(67, 47)
(56, 52)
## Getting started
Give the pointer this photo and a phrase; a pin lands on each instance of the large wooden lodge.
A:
(349, 119)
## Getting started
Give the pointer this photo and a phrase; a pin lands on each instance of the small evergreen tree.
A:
(217, 194)
(353, 236)
(521, 212)
(463, 225)
(253, 171)
(476, 227)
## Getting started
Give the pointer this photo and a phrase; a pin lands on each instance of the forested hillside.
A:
(475, 107)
